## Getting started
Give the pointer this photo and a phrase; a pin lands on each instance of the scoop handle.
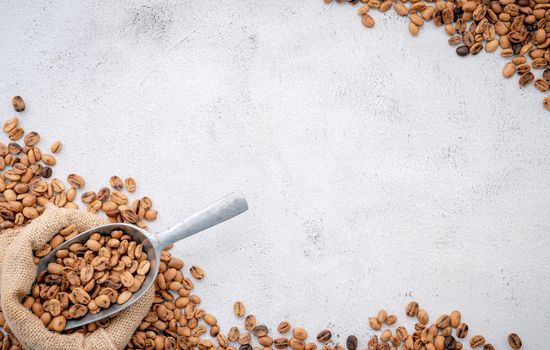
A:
(224, 209)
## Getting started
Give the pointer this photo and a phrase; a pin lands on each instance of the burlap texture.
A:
(18, 271)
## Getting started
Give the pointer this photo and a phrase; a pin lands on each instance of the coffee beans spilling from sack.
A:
(87, 278)
(176, 320)
(519, 29)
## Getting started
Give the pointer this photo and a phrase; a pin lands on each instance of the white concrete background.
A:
(379, 167)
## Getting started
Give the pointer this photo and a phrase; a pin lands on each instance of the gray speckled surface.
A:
(378, 167)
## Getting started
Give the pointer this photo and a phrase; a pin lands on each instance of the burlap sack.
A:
(18, 273)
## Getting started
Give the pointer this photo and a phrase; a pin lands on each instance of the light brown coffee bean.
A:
(49, 159)
(283, 327)
(526, 79)
(124, 297)
(514, 341)
(324, 336)
(56, 146)
(16, 133)
(367, 20)
(462, 330)
(542, 85)
(233, 334)
(443, 321)
(386, 335)
(18, 103)
(391, 319)
(508, 70)
(477, 341)
(31, 139)
(197, 272)
(281, 343)
(116, 183)
(76, 181)
(57, 323)
(412, 309)
(250, 322)
(239, 309)
(296, 344)
(413, 29)
(299, 333)
(455, 318)
(130, 184)
(422, 316)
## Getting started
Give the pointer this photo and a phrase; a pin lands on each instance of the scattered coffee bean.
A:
(351, 342)
(515, 341)
(477, 341)
(18, 103)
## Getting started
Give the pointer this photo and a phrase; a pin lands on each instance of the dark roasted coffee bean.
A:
(351, 342)
(462, 50)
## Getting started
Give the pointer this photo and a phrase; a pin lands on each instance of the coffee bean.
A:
(351, 342)
(281, 343)
(477, 340)
(283, 327)
(462, 330)
(324, 336)
(412, 309)
(299, 333)
(18, 103)
(514, 341)
(462, 50)
(238, 309)
(450, 343)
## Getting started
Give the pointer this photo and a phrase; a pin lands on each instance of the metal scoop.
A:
(153, 244)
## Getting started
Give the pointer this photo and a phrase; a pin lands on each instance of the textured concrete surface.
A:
(379, 168)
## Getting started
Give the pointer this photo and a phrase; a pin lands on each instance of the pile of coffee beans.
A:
(86, 278)
(518, 29)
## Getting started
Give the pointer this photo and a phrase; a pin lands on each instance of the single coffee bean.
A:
(477, 340)
(391, 319)
(422, 316)
(373, 343)
(412, 309)
(324, 336)
(515, 341)
(250, 322)
(462, 330)
(260, 330)
(238, 309)
(443, 321)
(18, 103)
(488, 347)
(283, 327)
(281, 343)
(299, 333)
(351, 342)
(462, 50)
(455, 318)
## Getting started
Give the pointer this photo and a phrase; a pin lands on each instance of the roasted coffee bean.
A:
(450, 343)
(18, 103)
(324, 336)
(462, 330)
(281, 343)
(412, 309)
(284, 327)
(477, 340)
(351, 342)
(238, 309)
(514, 341)
(462, 50)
